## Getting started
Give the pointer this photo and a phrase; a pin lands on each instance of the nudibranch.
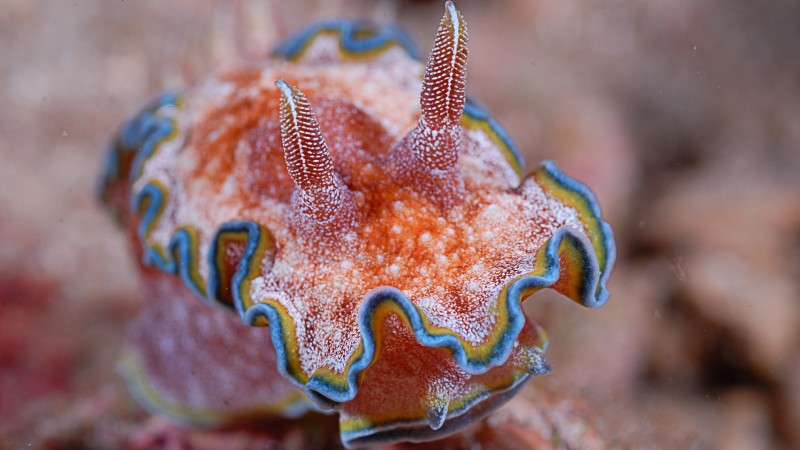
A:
(383, 239)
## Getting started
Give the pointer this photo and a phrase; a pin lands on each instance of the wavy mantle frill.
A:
(575, 263)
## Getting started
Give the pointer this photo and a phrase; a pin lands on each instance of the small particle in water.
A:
(676, 266)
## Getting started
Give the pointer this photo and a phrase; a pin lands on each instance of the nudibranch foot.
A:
(201, 366)
(375, 220)
(437, 401)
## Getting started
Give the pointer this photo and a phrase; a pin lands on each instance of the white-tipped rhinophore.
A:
(319, 193)
(436, 138)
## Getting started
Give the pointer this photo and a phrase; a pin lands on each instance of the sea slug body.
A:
(379, 241)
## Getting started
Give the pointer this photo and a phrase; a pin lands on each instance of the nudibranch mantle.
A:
(400, 304)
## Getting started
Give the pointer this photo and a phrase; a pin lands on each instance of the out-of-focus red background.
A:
(682, 115)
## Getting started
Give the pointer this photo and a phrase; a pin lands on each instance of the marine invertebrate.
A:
(386, 242)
